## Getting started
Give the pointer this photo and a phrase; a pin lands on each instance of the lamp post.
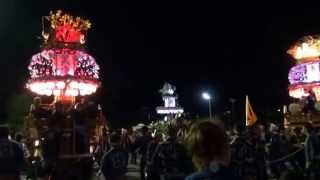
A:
(207, 97)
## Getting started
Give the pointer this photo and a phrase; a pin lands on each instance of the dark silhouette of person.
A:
(115, 162)
(209, 146)
(11, 157)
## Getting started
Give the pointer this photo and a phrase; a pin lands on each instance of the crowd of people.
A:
(260, 152)
(193, 151)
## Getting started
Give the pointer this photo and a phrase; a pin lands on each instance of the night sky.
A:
(230, 50)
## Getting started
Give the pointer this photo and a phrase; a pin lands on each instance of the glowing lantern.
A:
(74, 85)
(56, 92)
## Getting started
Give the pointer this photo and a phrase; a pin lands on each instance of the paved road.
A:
(133, 173)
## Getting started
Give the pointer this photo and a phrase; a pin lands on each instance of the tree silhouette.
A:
(17, 109)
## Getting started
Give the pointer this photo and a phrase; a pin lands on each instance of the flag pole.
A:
(246, 107)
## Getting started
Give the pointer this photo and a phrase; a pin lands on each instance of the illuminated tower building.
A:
(171, 108)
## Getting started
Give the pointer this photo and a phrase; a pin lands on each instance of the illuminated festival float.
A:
(63, 68)
(171, 108)
(64, 130)
(304, 80)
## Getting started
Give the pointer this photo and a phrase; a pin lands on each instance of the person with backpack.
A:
(114, 163)
(210, 150)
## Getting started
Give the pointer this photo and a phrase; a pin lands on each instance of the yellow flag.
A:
(251, 117)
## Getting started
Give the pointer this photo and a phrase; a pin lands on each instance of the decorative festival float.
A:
(304, 80)
(63, 68)
(64, 72)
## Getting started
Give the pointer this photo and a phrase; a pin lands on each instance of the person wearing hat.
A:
(11, 156)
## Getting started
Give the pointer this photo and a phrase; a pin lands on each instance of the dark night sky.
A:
(231, 50)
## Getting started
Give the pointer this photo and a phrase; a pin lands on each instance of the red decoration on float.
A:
(68, 34)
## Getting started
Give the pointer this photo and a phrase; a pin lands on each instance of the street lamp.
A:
(207, 97)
